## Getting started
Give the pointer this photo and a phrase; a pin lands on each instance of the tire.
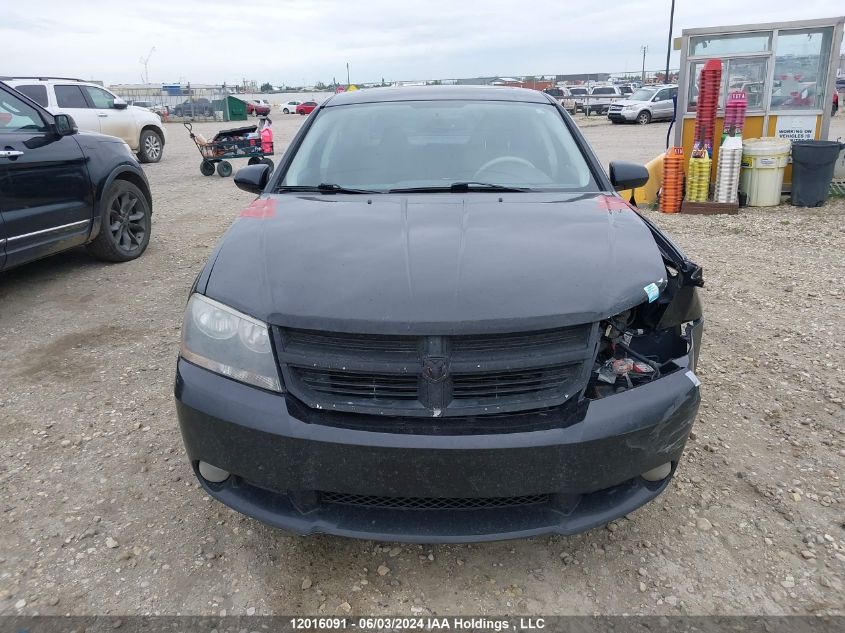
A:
(177, 112)
(206, 168)
(253, 161)
(644, 117)
(267, 161)
(286, 111)
(224, 169)
(151, 147)
(125, 224)
(208, 112)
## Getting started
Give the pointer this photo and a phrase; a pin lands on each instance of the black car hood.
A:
(435, 263)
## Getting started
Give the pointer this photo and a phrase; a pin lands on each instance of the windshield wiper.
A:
(460, 187)
(323, 187)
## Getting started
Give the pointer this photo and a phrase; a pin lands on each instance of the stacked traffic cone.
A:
(709, 82)
(698, 178)
(727, 174)
(735, 107)
(672, 191)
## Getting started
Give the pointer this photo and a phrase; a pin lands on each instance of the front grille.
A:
(371, 386)
(511, 383)
(436, 376)
(432, 503)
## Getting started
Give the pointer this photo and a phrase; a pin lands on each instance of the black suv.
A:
(60, 188)
(193, 107)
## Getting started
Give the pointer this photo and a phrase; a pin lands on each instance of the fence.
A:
(180, 103)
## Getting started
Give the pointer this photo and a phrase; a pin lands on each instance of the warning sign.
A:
(796, 127)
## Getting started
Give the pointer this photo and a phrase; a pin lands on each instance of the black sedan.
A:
(437, 323)
(60, 188)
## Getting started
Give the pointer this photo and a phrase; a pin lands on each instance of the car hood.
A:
(435, 263)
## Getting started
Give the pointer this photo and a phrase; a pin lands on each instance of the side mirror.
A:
(64, 124)
(625, 175)
(119, 104)
(253, 178)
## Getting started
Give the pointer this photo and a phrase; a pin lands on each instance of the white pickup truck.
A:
(601, 98)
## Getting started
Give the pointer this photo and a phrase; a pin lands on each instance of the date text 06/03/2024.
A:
(417, 623)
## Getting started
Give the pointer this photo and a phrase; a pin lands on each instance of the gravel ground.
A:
(102, 514)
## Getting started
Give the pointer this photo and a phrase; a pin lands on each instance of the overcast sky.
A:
(304, 41)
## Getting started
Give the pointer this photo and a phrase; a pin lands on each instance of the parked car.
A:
(575, 98)
(142, 104)
(289, 107)
(61, 188)
(650, 103)
(96, 109)
(465, 336)
(602, 97)
(258, 107)
(193, 107)
(306, 107)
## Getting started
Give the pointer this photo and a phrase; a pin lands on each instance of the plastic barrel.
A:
(763, 162)
(812, 171)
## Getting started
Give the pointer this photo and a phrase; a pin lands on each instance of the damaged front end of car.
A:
(660, 336)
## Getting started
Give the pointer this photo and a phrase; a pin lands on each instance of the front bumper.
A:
(618, 115)
(288, 472)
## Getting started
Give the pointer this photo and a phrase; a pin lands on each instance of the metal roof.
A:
(438, 93)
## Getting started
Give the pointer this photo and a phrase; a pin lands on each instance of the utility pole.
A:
(347, 75)
(644, 49)
(669, 44)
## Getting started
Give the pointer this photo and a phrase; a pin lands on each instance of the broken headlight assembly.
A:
(655, 338)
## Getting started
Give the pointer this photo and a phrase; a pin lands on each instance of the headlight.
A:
(229, 343)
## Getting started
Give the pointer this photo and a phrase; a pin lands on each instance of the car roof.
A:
(437, 93)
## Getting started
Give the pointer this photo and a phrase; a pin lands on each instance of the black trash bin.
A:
(812, 171)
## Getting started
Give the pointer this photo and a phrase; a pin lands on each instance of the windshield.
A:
(578, 91)
(643, 94)
(432, 144)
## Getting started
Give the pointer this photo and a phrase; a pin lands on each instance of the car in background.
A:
(96, 109)
(576, 95)
(306, 107)
(193, 107)
(258, 107)
(289, 107)
(601, 98)
(142, 104)
(61, 188)
(458, 331)
(649, 103)
(835, 107)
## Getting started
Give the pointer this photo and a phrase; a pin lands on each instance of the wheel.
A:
(253, 161)
(125, 224)
(224, 168)
(151, 147)
(177, 111)
(286, 111)
(206, 168)
(644, 117)
(269, 162)
(208, 112)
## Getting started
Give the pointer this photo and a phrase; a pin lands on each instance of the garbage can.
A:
(812, 171)
(763, 162)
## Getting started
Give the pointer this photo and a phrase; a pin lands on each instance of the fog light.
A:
(212, 473)
(655, 474)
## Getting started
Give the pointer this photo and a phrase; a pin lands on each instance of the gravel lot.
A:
(102, 514)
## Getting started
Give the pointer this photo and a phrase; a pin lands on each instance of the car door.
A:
(45, 197)
(114, 121)
(71, 100)
(663, 106)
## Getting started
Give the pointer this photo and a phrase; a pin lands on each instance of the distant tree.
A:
(320, 85)
(266, 87)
